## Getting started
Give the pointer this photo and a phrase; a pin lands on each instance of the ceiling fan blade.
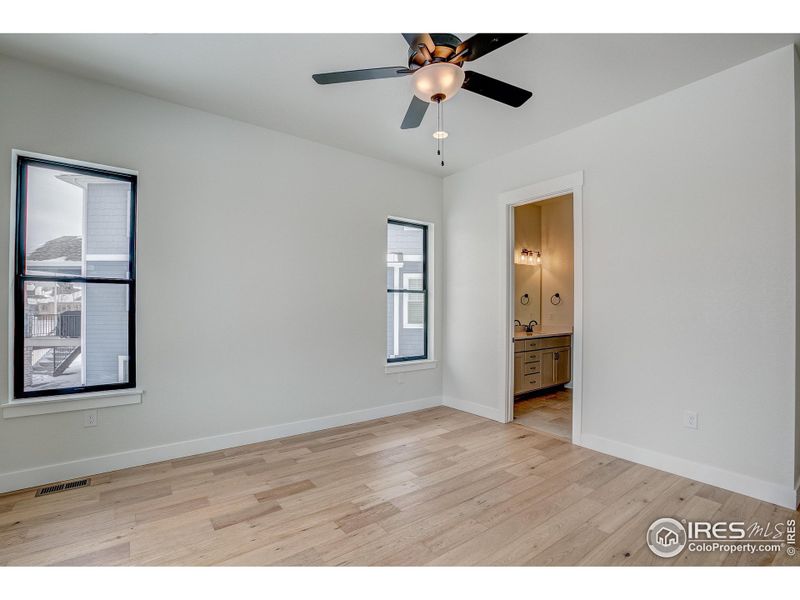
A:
(360, 75)
(415, 39)
(495, 89)
(414, 114)
(481, 44)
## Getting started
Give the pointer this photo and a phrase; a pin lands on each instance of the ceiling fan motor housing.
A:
(445, 47)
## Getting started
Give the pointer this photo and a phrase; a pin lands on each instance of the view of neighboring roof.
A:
(66, 247)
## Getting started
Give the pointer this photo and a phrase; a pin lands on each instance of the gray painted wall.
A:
(245, 316)
(689, 217)
(797, 254)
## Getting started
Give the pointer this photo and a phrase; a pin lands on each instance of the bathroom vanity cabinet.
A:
(541, 362)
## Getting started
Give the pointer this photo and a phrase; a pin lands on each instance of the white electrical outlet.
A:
(90, 418)
(690, 419)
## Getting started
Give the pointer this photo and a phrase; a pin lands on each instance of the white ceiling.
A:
(266, 79)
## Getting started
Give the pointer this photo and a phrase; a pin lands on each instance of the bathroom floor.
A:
(548, 411)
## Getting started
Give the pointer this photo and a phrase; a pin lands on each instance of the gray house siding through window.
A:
(106, 305)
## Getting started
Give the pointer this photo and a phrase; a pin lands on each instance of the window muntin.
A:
(74, 289)
(407, 291)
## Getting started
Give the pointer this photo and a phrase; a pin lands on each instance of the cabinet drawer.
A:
(532, 381)
(533, 356)
(533, 344)
(555, 342)
(531, 368)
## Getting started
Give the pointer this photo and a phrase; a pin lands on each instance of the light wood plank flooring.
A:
(549, 411)
(435, 487)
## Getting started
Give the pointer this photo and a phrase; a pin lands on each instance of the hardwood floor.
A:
(435, 487)
(549, 411)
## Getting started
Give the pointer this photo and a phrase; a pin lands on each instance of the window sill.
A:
(411, 365)
(73, 402)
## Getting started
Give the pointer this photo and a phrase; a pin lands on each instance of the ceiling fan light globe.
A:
(437, 78)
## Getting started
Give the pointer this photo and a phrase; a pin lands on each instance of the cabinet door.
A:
(548, 368)
(519, 382)
(562, 365)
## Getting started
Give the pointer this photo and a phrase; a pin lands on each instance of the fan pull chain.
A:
(438, 127)
(441, 128)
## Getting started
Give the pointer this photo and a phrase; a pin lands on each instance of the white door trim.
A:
(568, 184)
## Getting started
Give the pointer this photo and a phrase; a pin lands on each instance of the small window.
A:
(407, 291)
(75, 282)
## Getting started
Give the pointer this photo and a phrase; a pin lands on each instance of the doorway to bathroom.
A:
(543, 315)
(542, 260)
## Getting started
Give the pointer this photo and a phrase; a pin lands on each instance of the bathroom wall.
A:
(557, 261)
(527, 278)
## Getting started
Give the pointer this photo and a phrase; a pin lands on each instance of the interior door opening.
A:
(543, 293)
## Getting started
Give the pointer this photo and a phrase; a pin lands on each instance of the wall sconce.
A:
(529, 257)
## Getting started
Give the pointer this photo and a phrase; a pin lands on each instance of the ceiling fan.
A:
(436, 60)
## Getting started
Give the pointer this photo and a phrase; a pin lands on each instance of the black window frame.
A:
(20, 277)
(423, 291)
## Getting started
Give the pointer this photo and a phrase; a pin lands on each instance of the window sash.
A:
(423, 291)
(21, 224)
(20, 277)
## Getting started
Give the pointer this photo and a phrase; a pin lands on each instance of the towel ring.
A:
(524, 300)
(555, 299)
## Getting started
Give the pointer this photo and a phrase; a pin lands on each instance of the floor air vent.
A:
(62, 487)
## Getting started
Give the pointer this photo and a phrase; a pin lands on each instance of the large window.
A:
(74, 286)
(407, 291)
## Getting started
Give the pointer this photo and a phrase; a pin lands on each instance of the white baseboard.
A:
(17, 480)
(729, 480)
(743, 484)
(495, 414)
